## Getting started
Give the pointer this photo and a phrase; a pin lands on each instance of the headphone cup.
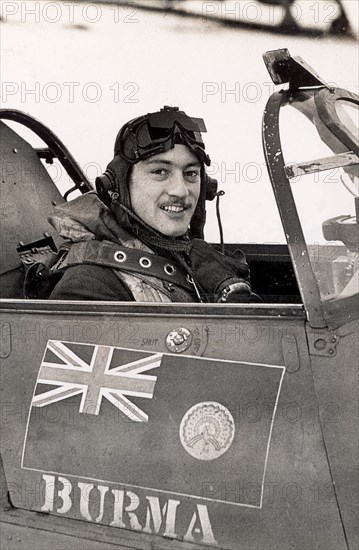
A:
(104, 184)
(211, 187)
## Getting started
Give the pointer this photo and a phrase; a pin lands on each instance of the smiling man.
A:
(165, 188)
(141, 236)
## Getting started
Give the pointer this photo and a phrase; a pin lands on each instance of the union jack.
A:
(95, 380)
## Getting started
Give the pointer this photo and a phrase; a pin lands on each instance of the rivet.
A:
(320, 344)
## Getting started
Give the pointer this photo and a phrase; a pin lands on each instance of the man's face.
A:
(164, 190)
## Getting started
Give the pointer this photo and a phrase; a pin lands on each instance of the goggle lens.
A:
(167, 119)
(156, 132)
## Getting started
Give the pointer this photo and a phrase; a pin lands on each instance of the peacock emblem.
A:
(207, 430)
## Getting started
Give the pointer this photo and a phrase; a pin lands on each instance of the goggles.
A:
(157, 132)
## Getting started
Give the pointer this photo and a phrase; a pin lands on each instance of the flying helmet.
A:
(144, 137)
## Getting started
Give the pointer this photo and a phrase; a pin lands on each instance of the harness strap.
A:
(109, 254)
(151, 289)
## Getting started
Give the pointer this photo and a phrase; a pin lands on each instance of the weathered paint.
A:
(297, 509)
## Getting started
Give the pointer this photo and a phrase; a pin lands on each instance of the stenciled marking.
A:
(126, 510)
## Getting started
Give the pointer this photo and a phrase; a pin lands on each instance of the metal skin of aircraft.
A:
(183, 426)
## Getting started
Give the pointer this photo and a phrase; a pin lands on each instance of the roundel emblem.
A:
(207, 430)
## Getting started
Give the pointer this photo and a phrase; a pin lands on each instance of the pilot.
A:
(140, 237)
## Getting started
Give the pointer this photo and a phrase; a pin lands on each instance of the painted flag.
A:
(178, 424)
(96, 379)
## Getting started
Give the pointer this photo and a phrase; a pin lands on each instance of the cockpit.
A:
(319, 265)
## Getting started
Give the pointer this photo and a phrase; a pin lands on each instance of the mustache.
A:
(178, 202)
